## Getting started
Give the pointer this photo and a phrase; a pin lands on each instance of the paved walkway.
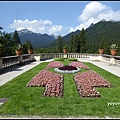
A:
(112, 68)
(13, 71)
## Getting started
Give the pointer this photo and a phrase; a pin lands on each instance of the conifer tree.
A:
(102, 43)
(82, 41)
(59, 45)
(76, 44)
(71, 44)
(16, 38)
(77, 39)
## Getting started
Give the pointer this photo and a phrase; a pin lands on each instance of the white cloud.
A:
(41, 26)
(55, 29)
(93, 13)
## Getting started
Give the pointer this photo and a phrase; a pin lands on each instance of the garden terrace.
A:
(38, 100)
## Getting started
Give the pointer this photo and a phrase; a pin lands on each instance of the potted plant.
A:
(114, 49)
(0, 49)
(30, 48)
(101, 47)
(18, 49)
(65, 49)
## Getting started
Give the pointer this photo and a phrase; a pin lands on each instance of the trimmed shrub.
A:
(72, 59)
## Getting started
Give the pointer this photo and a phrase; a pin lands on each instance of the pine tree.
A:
(59, 45)
(82, 41)
(102, 43)
(77, 39)
(71, 44)
(16, 38)
(76, 44)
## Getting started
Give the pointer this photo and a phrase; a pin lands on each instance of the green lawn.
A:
(24, 100)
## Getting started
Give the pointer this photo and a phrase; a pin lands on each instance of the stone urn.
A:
(65, 50)
(101, 51)
(30, 51)
(18, 52)
(113, 51)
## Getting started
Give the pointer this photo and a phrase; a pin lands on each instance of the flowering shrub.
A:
(52, 81)
(80, 65)
(54, 65)
(87, 81)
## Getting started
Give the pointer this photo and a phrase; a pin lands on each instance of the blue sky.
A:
(55, 17)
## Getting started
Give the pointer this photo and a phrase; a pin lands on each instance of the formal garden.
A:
(48, 90)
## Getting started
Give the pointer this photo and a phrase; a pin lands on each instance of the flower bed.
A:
(80, 65)
(86, 83)
(54, 65)
(67, 69)
(52, 81)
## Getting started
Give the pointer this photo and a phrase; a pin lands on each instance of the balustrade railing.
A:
(12, 60)
(8, 61)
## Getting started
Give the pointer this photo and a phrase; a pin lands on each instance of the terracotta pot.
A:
(30, 51)
(65, 51)
(113, 51)
(101, 51)
(18, 52)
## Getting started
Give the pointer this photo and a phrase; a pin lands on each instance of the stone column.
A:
(65, 55)
(112, 60)
(20, 59)
(32, 57)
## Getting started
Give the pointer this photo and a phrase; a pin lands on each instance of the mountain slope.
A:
(37, 39)
(110, 30)
(107, 29)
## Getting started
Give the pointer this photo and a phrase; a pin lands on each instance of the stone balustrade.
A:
(12, 60)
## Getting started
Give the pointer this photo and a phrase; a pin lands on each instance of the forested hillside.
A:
(103, 29)
(109, 30)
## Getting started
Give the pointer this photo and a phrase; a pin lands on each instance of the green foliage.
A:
(7, 44)
(19, 46)
(102, 45)
(16, 38)
(30, 46)
(65, 47)
(103, 29)
(76, 44)
(0, 46)
(72, 59)
(59, 59)
(71, 43)
(114, 46)
(59, 45)
(82, 41)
